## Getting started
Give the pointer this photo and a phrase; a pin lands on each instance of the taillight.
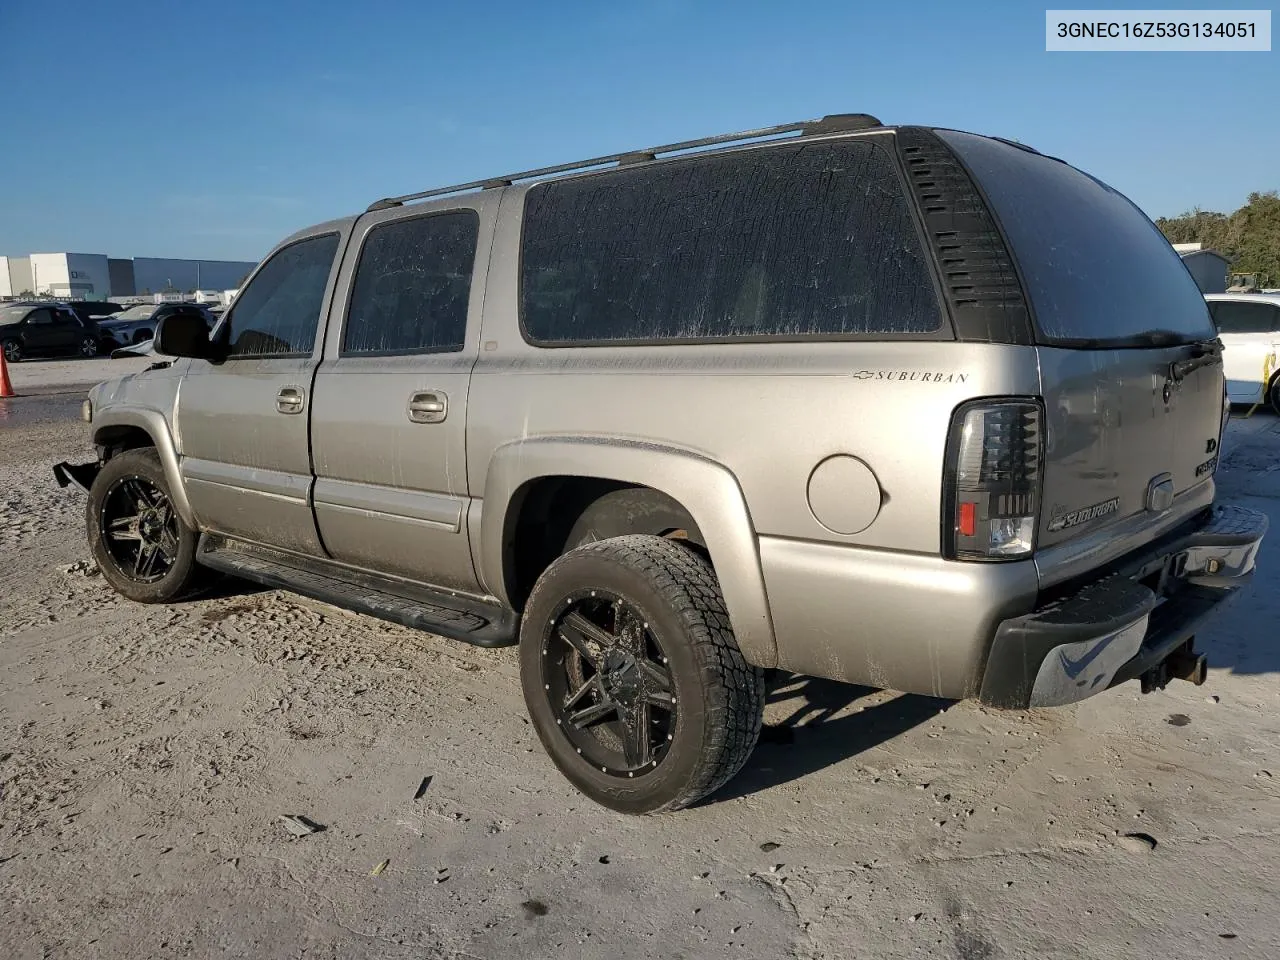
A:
(991, 499)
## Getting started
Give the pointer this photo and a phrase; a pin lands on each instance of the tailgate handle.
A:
(428, 406)
(1160, 493)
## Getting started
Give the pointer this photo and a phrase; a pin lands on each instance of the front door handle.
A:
(428, 406)
(289, 400)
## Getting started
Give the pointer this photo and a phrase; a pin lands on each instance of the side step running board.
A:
(458, 618)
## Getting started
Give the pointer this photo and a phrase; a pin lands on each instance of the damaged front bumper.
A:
(82, 474)
(1138, 620)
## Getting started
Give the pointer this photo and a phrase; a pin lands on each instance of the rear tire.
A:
(630, 510)
(89, 347)
(141, 545)
(656, 630)
(1273, 395)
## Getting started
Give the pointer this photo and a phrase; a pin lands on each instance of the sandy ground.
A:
(146, 755)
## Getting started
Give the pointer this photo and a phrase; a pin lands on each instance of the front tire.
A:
(12, 350)
(633, 678)
(141, 545)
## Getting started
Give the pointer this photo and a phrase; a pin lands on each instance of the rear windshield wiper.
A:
(1204, 353)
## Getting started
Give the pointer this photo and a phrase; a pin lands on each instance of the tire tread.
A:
(734, 689)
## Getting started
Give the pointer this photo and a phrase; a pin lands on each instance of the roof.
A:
(830, 124)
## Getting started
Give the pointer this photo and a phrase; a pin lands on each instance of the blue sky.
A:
(139, 128)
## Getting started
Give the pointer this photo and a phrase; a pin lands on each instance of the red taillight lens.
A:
(992, 480)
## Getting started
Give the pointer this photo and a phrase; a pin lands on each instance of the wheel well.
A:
(116, 440)
(544, 511)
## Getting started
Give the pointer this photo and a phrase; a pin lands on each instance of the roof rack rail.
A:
(832, 123)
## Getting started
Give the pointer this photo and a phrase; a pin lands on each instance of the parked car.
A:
(138, 324)
(44, 329)
(1249, 326)
(825, 398)
(93, 310)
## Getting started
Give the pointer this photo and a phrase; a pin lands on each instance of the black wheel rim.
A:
(140, 529)
(609, 685)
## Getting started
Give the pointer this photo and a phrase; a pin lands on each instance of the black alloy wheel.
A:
(139, 529)
(608, 684)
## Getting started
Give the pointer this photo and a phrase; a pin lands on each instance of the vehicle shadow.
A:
(1243, 639)
(817, 733)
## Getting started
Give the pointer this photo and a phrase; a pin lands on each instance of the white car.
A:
(1249, 325)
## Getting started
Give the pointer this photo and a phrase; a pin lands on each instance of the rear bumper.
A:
(1128, 622)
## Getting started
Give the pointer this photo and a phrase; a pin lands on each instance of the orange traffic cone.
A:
(6, 388)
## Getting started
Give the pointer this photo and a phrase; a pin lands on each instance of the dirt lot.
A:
(146, 755)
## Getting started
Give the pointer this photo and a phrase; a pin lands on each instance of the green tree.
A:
(1249, 237)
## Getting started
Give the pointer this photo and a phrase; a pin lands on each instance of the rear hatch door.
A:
(1131, 373)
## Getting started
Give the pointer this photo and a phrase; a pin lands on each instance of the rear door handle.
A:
(428, 406)
(289, 400)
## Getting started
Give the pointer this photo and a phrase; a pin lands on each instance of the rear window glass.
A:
(799, 241)
(1098, 272)
(1241, 316)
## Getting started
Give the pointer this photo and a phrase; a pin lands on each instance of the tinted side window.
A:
(803, 240)
(40, 317)
(276, 315)
(412, 286)
(1097, 271)
(1239, 316)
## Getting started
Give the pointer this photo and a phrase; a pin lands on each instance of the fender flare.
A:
(707, 489)
(155, 426)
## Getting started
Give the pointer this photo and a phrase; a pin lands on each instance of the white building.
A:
(82, 276)
(93, 276)
(15, 277)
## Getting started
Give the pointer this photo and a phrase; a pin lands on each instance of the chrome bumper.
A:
(1129, 621)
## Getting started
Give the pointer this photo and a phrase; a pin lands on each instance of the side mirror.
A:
(183, 335)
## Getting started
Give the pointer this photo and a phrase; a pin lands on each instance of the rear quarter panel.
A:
(770, 413)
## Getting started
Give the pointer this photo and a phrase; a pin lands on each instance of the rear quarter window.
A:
(412, 286)
(1097, 271)
(796, 241)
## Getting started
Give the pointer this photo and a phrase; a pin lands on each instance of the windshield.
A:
(143, 312)
(1098, 272)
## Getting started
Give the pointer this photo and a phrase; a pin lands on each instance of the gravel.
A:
(146, 754)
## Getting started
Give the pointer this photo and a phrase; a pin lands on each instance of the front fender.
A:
(708, 490)
(156, 427)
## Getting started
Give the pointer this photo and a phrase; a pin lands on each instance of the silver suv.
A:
(897, 406)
